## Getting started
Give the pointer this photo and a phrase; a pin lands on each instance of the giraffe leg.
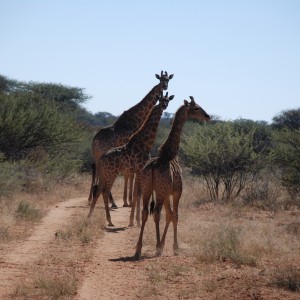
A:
(111, 200)
(95, 193)
(125, 203)
(169, 217)
(131, 179)
(105, 198)
(139, 244)
(176, 198)
(92, 184)
(136, 198)
(156, 217)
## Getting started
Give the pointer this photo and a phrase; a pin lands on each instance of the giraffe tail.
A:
(93, 165)
(95, 187)
(152, 204)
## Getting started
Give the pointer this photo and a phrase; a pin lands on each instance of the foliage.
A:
(286, 155)
(27, 123)
(41, 140)
(10, 179)
(286, 151)
(263, 192)
(288, 119)
(224, 156)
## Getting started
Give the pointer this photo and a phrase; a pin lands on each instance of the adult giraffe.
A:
(129, 158)
(128, 123)
(162, 174)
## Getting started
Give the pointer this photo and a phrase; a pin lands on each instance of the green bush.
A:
(224, 157)
(41, 138)
(10, 177)
(27, 123)
(286, 155)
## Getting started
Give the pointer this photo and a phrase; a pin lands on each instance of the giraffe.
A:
(129, 158)
(128, 123)
(128, 194)
(162, 175)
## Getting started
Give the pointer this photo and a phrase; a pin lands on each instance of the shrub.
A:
(56, 287)
(85, 230)
(28, 212)
(286, 155)
(224, 157)
(4, 234)
(222, 243)
(287, 278)
(262, 193)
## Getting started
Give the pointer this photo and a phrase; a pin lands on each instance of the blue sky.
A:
(238, 58)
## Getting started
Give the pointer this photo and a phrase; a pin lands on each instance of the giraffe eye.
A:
(196, 108)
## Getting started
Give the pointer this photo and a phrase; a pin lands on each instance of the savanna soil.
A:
(105, 269)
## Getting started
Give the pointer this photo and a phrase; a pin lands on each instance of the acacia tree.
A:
(286, 150)
(26, 124)
(39, 128)
(223, 157)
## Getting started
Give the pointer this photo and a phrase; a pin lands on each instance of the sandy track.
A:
(23, 253)
(113, 274)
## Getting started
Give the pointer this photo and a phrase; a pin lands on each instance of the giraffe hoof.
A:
(111, 225)
(130, 225)
(114, 206)
(126, 205)
(137, 256)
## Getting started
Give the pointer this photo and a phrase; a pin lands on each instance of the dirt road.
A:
(106, 277)
(113, 274)
(105, 268)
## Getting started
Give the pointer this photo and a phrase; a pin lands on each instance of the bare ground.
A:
(111, 273)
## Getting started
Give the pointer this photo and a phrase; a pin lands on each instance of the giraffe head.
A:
(164, 79)
(164, 100)
(195, 111)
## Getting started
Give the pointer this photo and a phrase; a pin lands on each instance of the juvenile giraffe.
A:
(129, 158)
(128, 123)
(162, 175)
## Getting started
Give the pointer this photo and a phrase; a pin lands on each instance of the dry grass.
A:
(233, 230)
(82, 229)
(56, 287)
(56, 274)
(287, 278)
(221, 239)
(19, 212)
(26, 211)
(226, 252)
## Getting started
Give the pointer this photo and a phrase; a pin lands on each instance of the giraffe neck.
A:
(144, 138)
(136, 115)
(170, 148)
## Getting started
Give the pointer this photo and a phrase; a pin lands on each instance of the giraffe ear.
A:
(157, 76)
(186, 103)
(171, 97)
(171, 76)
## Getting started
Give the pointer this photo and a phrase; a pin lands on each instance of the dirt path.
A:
(113, 274)
(23, 253)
